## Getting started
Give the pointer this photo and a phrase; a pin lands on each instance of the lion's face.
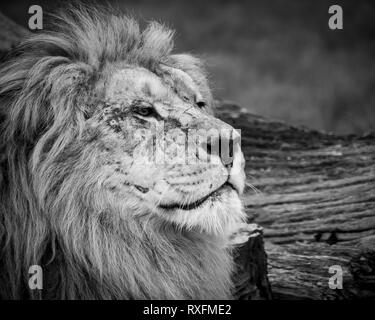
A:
(161, 152)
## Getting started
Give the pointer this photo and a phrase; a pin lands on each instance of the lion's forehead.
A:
(137, 81)
(170, 94)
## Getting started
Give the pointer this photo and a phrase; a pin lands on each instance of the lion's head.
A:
(116, 178)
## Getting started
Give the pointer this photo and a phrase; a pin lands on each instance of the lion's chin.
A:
(214, 216)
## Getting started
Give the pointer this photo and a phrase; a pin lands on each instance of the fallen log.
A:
(314, 195)
(250, 278)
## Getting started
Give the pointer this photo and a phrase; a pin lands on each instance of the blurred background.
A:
(277, 58)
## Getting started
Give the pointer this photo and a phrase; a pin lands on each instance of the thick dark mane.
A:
(47, 216)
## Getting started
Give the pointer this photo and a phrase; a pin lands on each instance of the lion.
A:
(82, 195)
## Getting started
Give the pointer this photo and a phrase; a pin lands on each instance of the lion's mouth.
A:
(193, 205)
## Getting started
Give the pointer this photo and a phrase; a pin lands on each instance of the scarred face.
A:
(165, 154)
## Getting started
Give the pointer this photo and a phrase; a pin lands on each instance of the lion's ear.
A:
(194, 67)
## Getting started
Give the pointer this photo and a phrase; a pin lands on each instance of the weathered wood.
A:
(314, 195)
(251, 278)
(301, 271)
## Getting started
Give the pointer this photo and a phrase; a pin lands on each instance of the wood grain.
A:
(314, 195)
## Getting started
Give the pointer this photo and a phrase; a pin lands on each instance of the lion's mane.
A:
(49, 214)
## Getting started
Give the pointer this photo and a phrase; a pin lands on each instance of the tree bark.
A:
(250, 278)
(314, 195)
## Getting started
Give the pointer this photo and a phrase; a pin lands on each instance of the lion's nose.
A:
(224, 145)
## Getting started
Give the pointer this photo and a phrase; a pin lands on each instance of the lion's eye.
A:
(144, 110)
